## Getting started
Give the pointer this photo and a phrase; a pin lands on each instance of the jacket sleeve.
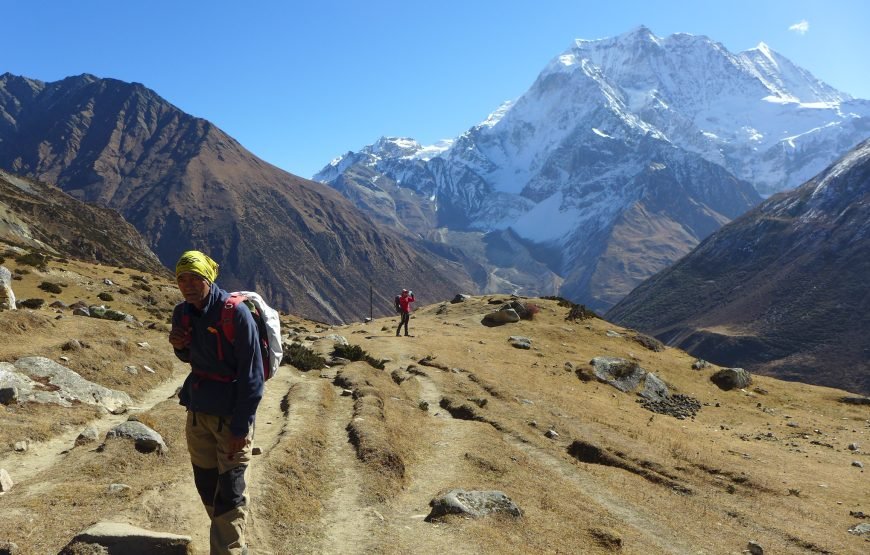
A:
(249, 382)
(184, 354)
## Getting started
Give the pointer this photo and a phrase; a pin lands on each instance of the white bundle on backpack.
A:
(273, 329)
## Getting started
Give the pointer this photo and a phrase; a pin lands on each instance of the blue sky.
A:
(299, 83)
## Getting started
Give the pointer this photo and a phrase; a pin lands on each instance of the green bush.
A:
(354, 353)
(49, 287)
(303, 358)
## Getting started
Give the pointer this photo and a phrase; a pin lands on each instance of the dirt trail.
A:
(346, 519)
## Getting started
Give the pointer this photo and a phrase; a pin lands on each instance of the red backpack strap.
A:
(227, 314)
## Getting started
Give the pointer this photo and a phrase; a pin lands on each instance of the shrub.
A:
(531, 310)
(354, 353)
(106, 297)
(49, 287)
(31, 303)
(303, 358)
(35, 259)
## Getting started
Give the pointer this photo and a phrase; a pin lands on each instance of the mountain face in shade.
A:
(783, 290)
(41, 217)
(184, 183)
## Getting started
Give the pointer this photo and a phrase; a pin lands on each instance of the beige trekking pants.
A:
(220, 480)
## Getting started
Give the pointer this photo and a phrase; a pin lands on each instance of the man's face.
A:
(195, 288)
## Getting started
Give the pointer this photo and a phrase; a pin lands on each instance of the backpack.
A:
(398, 304)
(268, 326)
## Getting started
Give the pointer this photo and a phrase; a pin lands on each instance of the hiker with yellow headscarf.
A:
(221, 393)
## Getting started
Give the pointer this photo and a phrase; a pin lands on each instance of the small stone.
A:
(65, 359)
(20, 446)
(256, 451)
(858, 464)
(346, 392)
(148, 369)
(755, 548)
(115, 489)
(552, 434)
(862, 529)
(143, 344)
(853, 447)
(131, 370)
(793, 425)
(88, 435)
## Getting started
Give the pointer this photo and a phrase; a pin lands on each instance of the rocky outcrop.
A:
(7, 296)
(731, 378)
(472, 503)
(117, 538)
(41, 380)
(145, 439)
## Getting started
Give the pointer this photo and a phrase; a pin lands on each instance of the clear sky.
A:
(300, 82)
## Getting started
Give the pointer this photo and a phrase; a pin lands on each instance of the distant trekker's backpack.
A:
(398, 304)
(268, 326)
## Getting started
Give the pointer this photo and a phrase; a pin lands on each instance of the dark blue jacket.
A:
(238, 397)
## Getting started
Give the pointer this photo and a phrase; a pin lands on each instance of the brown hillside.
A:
(783, 290)
(184, 183)
(454, 407)
(37, 216)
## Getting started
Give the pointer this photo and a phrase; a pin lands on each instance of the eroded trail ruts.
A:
(433, 472)
(289, 401)
(346, 519)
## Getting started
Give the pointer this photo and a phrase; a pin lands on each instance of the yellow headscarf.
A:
(197, 263)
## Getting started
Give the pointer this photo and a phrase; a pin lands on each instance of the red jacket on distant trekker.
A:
(405, 301)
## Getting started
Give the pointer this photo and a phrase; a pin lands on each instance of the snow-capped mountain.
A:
(623, 154)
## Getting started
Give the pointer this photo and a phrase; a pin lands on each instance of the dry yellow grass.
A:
(770, 463)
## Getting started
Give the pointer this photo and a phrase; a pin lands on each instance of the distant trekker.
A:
(403, 304)
(221, 393)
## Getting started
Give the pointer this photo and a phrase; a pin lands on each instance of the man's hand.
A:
(236, 445)
(179, 338)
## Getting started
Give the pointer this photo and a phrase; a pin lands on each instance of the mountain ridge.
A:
(780, 290)
(185, 184)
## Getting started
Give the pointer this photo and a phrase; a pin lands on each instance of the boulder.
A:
(145, 439)
(8, 394)
(500, 317)
(88, 435)
(7, 297)
(6, 482)
(460, 298)
(654, 389)
(121, 538)
(8, 548)
(520, 342)
(472, 503)
(64, 385)
(624, 375)
(731, 378)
